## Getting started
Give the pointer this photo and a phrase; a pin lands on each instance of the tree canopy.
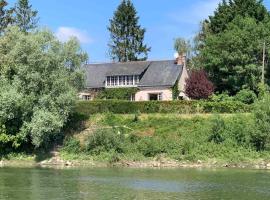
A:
(39, 80)
(6, 17)
(127, 36)
(25, 17)
(231, 44)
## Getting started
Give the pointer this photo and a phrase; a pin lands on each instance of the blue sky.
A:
(164, 20)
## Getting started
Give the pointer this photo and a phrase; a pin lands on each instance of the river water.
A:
(122, 184)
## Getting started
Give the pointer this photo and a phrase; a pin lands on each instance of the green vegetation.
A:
(127, 36)
(230, 45)
(182, 107)
(39, 81)
(225, 138)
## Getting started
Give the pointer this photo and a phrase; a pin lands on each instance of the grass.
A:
(115, 137)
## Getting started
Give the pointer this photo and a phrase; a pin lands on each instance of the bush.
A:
(261, 136)
(72, 145)
(246, 96)
(198, 86)
(105, 140)
(182, 107)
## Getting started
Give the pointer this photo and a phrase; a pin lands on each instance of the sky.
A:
(88, 20)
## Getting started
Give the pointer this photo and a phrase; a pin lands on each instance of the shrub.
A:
(198, 86)
(72, 145)
(218, 127)
(246, 96)
(182, 107)
(261, 136)
(105, 140)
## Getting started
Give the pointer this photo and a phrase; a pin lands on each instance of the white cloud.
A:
(65, 33)
(195, 13)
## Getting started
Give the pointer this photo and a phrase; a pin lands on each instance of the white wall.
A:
(143, 94)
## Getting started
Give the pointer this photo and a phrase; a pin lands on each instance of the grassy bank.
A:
(206, 138)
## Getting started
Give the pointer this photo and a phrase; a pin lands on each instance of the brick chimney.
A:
(181, 60)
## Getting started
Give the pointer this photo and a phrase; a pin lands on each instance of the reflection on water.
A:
(33, 184)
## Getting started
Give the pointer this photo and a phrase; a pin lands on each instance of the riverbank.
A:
(156, 141)
(147, 164)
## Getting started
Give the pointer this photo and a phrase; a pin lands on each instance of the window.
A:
(155, 97)
(121, 80)
(160, 97)
(132, 97)
(108, 81)
(87, 97)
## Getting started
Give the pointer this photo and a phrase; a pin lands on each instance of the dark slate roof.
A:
(161, 73)
(129, 68)
(95, 75)
(157, 73)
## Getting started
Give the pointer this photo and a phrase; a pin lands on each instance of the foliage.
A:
(228, 10)
(230, 45)
(5, 16)
(182, 46)
(127, 37)
(198, 86)
(224, 96)
(25, 17)
(261, 136)
(219, 137)
(72, 145)
(184, 107)
(246, 96)
(39, 78)
(233, 58)
(175, 90)
(104, 140)
(117, 93)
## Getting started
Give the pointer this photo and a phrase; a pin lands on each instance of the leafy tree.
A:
(229, 45)
(5, 16)
(233, 58)
(39, 80)
(127, 36)
(227, 11)
(182, 46)
(25, 17)
(198, 86)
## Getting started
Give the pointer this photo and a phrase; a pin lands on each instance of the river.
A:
(124, 184)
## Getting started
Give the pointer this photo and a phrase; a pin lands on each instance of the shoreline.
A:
(151, 164)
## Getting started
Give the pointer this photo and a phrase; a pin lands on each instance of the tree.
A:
(233, 58)
(182, 46)
(25, 17)
(227, 11)
(5, 16)
(230, 43)
(127, 37)
(38, 86)
(198, 86)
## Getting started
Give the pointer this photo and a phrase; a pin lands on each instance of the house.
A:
(154, 80)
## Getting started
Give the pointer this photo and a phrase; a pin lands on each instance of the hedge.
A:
(181, 107)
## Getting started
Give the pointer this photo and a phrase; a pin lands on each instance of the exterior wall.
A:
(182, 83)
(143, 94)
(89, 92)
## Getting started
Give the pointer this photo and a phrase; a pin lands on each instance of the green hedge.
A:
(181, 107)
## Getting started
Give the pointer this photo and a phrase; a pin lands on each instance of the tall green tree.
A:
(5, 16)
(233, 58)
(39, 81)
(230, 44)
(25, 17)
(127, 36)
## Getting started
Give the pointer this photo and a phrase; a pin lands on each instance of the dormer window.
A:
(121, 81)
